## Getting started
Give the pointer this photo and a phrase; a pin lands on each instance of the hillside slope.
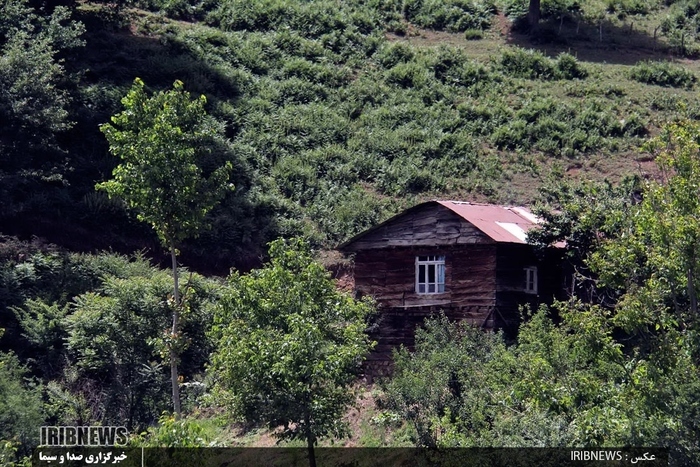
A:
(339, 115)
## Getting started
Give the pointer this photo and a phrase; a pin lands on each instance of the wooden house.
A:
(471, 261)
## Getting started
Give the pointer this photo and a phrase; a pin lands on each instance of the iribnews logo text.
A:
(84, 435)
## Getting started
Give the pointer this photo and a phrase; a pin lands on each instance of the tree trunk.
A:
(173, 334)
(533, 14)
(561, 24)
(691, 292)
(312, 454)
(310, 440)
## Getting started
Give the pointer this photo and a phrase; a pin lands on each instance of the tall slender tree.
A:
(162, 142)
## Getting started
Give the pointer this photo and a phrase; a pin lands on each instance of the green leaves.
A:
(289, 345)
(20, 407)
(656, 257)
(663, 74)
(641, 245)
(114, 342)
(163, 142)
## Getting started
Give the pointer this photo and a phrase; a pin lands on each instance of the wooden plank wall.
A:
(389, 276)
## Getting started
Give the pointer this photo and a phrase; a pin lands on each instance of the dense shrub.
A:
(407, 75)
(180, 9)
(391, 55)
(312, 19)
(473, 34)
(452, 15)
(568, 67)
(550, 9)
(564, 129)
(663, 74)
(21, 412)
(532, 64)
(631, 7)
(343, 213)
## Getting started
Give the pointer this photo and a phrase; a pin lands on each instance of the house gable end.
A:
(426, 225)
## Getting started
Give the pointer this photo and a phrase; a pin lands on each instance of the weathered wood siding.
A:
(389, 277)
(424, 226)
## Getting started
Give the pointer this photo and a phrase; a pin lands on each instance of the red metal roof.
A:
(501, 223)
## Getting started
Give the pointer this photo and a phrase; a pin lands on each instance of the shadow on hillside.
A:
(110, 61)
(117, 57)
(603, 42)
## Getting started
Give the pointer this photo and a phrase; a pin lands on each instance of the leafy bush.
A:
(631, 7)
(681, 25)
(115, 341)
(564, 129)
(550, 9)
(459, 386)
(663, 74)
(451, 15)
(407, 75)
(391, 55)
(473, 34)
(171, 433)
(343, 213)
(568, 67)
(532, 64)
(529, 64)
(313, 19)
(21, 412)
(178, 9)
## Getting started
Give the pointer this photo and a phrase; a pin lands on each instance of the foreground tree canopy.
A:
(289, 344)
(164, 144)
(621, 369)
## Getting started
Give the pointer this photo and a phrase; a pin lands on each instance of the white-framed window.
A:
(531, 279)
(430, 274)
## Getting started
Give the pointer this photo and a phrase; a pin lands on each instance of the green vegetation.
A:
(21, 410)
(162, 142)
(452, 15)
(473, 34)
(571, 378)
(92, 326)
(329, 117)
(331, 126)
(663, 74)
(35, 99)
(531, 64)
(289, 345)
